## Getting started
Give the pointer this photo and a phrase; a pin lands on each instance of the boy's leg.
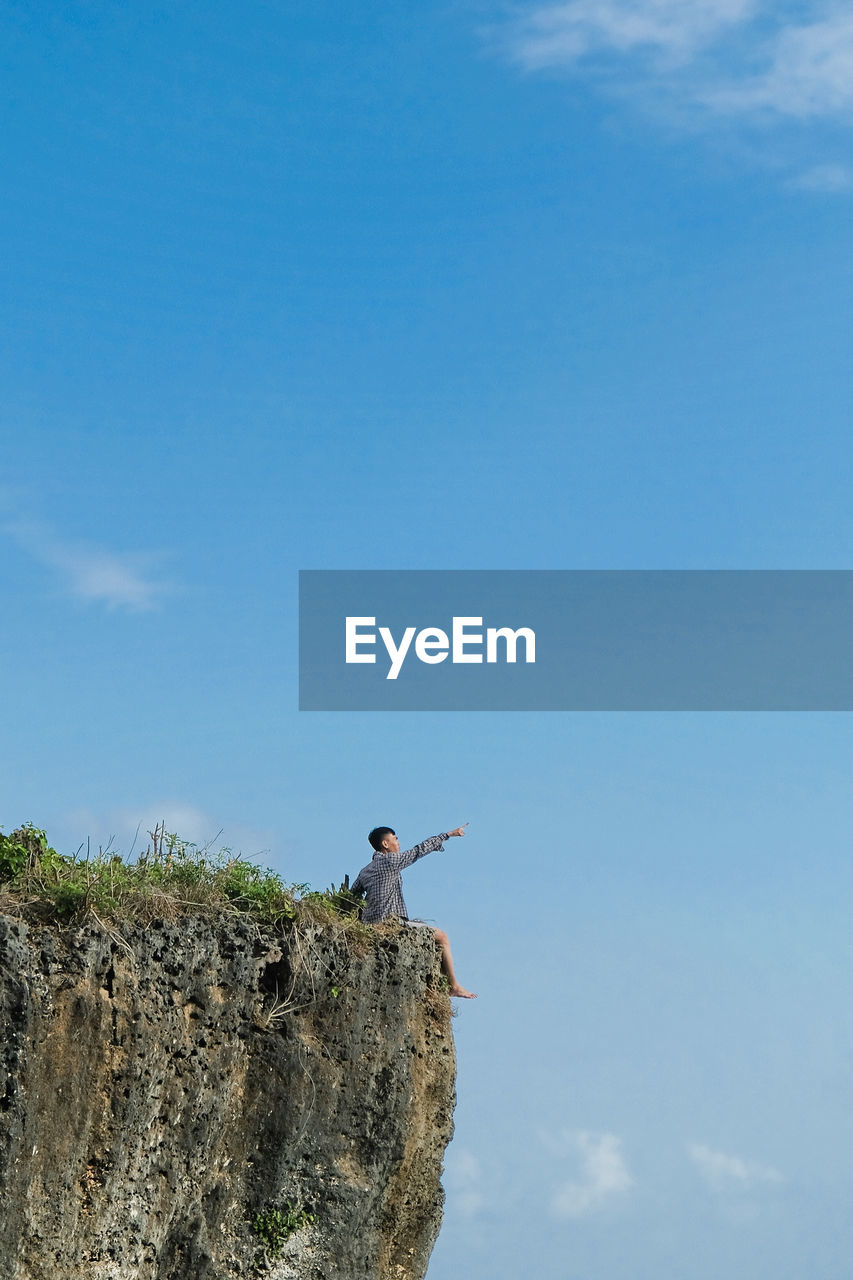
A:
(447, 965)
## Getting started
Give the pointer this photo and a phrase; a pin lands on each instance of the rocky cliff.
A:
(202, 1100)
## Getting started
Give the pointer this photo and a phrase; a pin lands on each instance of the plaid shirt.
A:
(382, 884)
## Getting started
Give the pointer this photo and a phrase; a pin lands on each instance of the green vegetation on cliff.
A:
(171, 877)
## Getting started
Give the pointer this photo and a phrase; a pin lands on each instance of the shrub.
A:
(275, 1226)
(26, 851)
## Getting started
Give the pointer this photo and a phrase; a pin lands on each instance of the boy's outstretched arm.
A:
(402, 859)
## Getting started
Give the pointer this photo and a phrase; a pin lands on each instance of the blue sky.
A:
(477, 286)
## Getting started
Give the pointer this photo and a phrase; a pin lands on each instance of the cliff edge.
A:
(203, 1099)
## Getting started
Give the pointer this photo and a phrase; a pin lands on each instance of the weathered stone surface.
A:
(163, 1085)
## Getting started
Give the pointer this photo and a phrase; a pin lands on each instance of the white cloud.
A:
(809, 73)
(674, 30)
(603, 1173)
(726, 1172)
(463, 1181)
(747, 60)
(129, 827)
(117, 580)
(824, 177)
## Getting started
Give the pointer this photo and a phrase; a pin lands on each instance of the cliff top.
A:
(170, 878)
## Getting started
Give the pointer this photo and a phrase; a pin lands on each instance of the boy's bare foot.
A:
(456, 990)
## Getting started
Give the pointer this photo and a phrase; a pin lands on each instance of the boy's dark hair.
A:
(378, 834)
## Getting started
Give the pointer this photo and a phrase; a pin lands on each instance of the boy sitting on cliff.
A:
(382, 886)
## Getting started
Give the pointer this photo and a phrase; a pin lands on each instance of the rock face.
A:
(164, 1085)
